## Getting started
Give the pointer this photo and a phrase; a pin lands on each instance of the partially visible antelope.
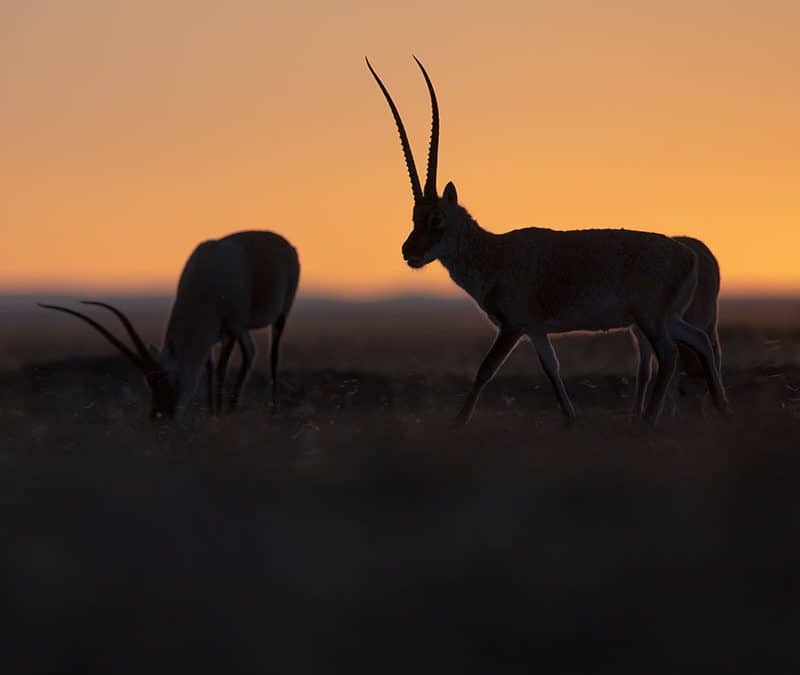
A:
(537, 281)
(702, 312)
(228, 287)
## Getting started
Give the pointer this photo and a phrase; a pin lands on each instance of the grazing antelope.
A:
(702, 312)
(228, 287)
(537, 281)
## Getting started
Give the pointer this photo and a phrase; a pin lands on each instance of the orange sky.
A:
(131, 131)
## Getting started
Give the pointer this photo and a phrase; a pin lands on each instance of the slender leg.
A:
(684, 389)
(697, 373)
(550, 365)
(644, 369)
(248, 351)
(696, 339)
(714, 337)
(210, 384)
(504, 343)
(672, 400)
(222, 367)
(277, 331)
(667, 354)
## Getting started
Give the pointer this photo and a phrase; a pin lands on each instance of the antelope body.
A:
(534, 281)
(228, 287)
(702, 312)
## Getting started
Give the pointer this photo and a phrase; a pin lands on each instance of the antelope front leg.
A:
(277, 331)
(550, 365)
(644, 370)
(248, 351)
(222, 367)
(210, 385)
(504, 343)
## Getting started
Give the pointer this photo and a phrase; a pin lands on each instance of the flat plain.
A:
(352, 529)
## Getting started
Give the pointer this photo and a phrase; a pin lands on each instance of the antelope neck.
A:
(470, 265)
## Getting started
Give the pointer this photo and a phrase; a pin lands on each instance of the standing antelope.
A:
(538, 281)
(228, 287)
(702, 312)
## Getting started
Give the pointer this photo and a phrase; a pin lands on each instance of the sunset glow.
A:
(129, 133)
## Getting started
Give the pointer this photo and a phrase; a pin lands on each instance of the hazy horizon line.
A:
(315, 295)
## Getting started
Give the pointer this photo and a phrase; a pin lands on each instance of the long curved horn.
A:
(412, 169)
(433, 145)
(144, 354)
(108, 336)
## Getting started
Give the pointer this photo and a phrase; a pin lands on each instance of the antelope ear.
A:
(450, 193)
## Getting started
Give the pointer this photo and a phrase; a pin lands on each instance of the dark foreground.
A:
(351, 531)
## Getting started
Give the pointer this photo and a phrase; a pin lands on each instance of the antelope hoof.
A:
(650, 420)
(460, 421)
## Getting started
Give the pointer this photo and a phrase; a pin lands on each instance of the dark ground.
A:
(352, 531)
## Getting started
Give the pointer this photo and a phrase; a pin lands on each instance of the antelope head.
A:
(158, 367)
(436, 218)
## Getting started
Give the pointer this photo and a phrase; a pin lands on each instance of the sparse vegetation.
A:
(353, 530)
